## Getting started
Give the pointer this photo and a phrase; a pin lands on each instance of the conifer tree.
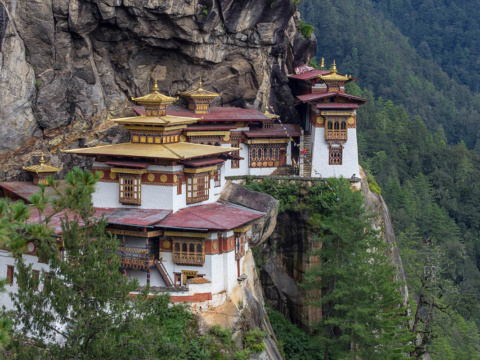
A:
(363, 313)
(80, 308)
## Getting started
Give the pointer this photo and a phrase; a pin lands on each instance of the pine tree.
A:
(80, 308)
(363, 312)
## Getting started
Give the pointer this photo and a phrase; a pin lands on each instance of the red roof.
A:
(202, 162)
(123, 216)
(317, 96)
(25, 189)
(140, 110)
(218, 113)
(309, 74)
(275, 132)
(210, 127)
(132, 164)
(337, 106)
(215, 216)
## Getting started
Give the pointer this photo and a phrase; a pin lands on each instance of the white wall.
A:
(320, 155)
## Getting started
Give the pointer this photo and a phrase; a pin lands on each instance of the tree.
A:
(80, 308)
(363, 313)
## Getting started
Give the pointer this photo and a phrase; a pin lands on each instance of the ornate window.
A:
(240, 240)
(335, 155)
(198, 186)
(130, 188)
(336, 130)
(265, 155)
(10, 271)
(188, 252)
(217, 178)
(236, 163)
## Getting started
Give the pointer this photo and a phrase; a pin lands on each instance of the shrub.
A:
(305, 29)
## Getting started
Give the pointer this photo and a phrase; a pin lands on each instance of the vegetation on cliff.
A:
(362, 309)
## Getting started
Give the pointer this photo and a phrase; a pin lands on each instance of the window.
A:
(217, 178)
(336, 130)
(36, 279)
(130, 189)
(236, 163)
(178, 279)
(198, 188)
(335, 155)
(10, 271)
(188, 252)
(240, 240)
(266, 155)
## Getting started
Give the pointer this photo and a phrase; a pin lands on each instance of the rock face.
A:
(67, 65)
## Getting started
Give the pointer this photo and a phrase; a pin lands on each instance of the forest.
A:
(417, 62)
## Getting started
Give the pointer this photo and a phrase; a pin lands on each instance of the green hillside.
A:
(418, 136)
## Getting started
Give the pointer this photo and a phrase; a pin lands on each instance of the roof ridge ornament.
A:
(334, 67)
(155, 85)
(322, 65)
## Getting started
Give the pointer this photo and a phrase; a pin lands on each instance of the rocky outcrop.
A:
(68, 65)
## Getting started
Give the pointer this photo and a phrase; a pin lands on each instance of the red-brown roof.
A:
(337, 106)
(215, 216)
(275, 132)
(202, 162)
(218, 113)
(198, 280)
(309, 74)
(122, 216)
(131, 164)
(318, 96)
(210, 127)
(25, 189)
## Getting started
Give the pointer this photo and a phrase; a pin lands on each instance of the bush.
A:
(253, 340)
(305, 29)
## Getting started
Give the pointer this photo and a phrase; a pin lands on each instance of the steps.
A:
(307, 168)
(284, 171)
(163, 272)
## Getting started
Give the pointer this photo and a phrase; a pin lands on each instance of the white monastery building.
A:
(160, 190)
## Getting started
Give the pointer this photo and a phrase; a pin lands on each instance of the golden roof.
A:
(155, 98)
(174, 151)
(333, 76)
(199, 93)
(42, 167)
(163, 121)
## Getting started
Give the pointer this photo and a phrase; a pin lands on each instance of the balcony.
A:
(336, 135)
(189, 259)
(239, 252)
(136, 258)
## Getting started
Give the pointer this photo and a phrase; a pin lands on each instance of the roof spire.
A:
(42, 160)
(200, 84)
(334, 67)
(155, 86)
(322, 65)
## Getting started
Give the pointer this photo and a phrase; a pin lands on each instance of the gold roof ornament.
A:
(43, 167)
(322, 65)
(155, 99)
(269, 114)
(333, 76)
(200, 92)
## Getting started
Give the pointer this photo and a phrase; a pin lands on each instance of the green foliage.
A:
(38, 83)
(305, 29)
(205, 10)
(253, 340)
(372, 184)
(314, 63)
(294, 343)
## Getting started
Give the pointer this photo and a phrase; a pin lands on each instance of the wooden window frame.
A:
(335, 155)
(235, 163)
(217, 178)
(269, 153)
(10, 274)
(336, 129)
(127, 195)
(198, 187)
(187, 257)
(240, 240)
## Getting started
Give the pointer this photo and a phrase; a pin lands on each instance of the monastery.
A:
(160, 190)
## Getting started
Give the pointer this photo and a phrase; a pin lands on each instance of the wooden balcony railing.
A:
(332, 135)
(136, 258)
(189, 259)
(239, 252)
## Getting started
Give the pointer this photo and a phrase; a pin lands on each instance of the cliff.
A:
(66, 66)
(285, 257)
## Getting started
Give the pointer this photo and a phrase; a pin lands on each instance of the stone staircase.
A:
(307, 168)
(284, 171)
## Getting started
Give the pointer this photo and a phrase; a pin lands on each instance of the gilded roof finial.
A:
(200, 84)
(322, 65)
(155, 86)
(334, 67)
(42, 160)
